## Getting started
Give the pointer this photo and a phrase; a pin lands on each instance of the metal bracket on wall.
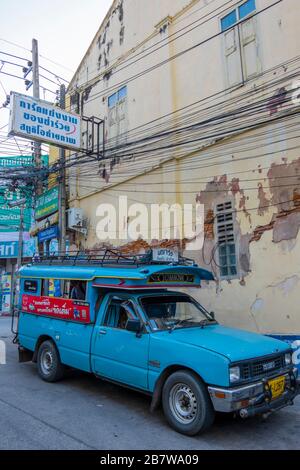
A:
(94, 133)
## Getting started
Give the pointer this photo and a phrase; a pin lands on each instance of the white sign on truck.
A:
(165, 255)
(39, 120)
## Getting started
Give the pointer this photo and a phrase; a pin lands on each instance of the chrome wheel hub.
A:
(47, 362)
(183, 403)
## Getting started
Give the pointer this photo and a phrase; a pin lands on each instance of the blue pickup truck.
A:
(125, 321)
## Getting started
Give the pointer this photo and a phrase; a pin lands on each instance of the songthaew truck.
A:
(127, 320)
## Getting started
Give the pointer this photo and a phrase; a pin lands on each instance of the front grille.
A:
(245, 371)
(253, 369)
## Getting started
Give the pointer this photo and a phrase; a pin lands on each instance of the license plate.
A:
(277, 387)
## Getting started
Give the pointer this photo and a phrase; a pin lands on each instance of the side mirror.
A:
(213, 315)
(134, 325)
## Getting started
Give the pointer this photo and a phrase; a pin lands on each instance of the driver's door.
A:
(118, 354)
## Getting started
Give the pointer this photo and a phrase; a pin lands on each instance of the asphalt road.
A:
(83, 412)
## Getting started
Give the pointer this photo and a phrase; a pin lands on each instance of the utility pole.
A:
(62, 184)
(36, 94)
(37, 145)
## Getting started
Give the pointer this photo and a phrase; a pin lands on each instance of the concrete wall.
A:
(257, 169)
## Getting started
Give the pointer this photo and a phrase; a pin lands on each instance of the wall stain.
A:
(277, 101)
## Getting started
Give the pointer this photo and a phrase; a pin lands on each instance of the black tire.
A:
(50, 368)
(186, 403)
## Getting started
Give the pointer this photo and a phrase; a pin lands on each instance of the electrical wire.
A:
(175, 56)
(165, 42)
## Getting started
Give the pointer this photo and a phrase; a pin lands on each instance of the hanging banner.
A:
(39, 120)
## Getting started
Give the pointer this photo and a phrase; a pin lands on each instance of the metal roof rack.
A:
(104, 257)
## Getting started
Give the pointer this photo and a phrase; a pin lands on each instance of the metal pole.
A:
(36, 94)
(37, 145)
(62, 184)
(19, 264)
(21, 230)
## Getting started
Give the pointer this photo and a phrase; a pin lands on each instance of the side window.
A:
(55, 288)
(45, 287)
(64, 288)
(226, 240)
(117, 113)
(77, 290)
(31, 286)
(52, 288)
(240, 43)
(117, 315)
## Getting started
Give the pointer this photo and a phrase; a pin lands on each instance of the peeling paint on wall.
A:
(264, 202)
(140, 246)
(244, 253)
(286, 227)
(284, 182)
(214, 193)
(288, 284)
(257, 306)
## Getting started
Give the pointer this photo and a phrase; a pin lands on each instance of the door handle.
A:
(102, 332)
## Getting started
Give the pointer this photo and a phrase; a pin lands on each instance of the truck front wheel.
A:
(186, 403)
(49, 366)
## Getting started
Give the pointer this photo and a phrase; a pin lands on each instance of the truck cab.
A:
(128, 321)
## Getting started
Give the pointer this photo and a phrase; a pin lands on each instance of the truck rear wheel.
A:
(49, 366)
(186, 403)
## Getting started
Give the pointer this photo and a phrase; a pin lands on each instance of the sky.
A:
(64, 30)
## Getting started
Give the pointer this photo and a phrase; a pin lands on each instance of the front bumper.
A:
(252, 399)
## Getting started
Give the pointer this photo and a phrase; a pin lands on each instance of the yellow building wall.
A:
(257, 169)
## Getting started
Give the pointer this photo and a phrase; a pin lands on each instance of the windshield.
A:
(171, 312)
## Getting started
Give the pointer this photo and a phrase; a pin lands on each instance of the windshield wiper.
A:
(201, 323)
(206, 322)
(180, 322)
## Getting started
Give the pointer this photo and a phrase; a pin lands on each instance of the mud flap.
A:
(25, 355)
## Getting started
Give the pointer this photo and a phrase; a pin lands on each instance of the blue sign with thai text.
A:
(48, 234)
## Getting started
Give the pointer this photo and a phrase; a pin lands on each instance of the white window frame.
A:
(240, 48)
(113, 111)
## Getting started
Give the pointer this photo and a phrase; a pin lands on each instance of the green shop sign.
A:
(21, 160)
(47, 204)
(10, 216)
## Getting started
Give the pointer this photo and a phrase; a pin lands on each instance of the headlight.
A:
(234, 374)
(288, 359)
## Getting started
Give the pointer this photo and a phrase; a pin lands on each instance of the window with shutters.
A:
(117, 113)
(240, 43)
(226, 240)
